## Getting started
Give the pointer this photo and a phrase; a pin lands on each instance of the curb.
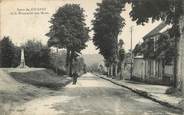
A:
(145, 94)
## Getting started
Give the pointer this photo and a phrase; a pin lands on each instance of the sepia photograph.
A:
(91, 57)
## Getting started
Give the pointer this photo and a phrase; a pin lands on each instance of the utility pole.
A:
(176, 50)
(131, 65)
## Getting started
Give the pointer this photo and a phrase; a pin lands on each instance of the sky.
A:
(26, 25)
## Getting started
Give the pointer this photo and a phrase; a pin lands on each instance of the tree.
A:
(94, 68)
(17, 56)
(9, 53)
(138, 49)
(120, 44)
(107, 25)
(58, 62)
(79, 64)
(36, 54)
(121, 59)
(169, 11)
(69, 31)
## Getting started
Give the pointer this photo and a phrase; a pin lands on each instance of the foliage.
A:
(36, 54)
(121, 55)
(68, 28)
(69, 31)
(57, 62)
(79, 65)
(93, 68)
(121, 59)
(121, 43)
(41, 78)
(10, 54)
(138, 49)
(107, 26)
(166, 10)
(17, 55)
(148, 49)
(164, 48)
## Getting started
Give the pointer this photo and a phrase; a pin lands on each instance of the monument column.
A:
(22, 61)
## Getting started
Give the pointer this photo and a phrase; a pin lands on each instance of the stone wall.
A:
(151, 71)
(139, 68)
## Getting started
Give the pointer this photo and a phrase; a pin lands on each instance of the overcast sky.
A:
(20, 27)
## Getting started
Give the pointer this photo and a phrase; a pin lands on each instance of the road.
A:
(93, 96)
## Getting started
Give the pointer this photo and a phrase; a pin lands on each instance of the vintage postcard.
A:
(91, 57)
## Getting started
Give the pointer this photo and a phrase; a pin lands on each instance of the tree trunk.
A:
(163, 69)
(131, 69)
(108, 71)
(182, 37)
(112, 70)
(115, 70)
(70, 71)
(57, 51)
(175, 65)
(71, 63)
(67, 61)
(180, 51)
(121, 70)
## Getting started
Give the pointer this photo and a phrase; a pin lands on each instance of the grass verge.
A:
(41, 78)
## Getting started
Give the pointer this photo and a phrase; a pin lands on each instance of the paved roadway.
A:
(93, 96)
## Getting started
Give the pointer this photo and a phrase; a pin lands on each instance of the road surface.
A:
(93, 96)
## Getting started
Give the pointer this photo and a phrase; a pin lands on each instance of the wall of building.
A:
(168, 70)
(152, 71)
(139, 68)
(153, 68)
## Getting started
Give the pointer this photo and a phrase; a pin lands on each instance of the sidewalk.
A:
(156, 93)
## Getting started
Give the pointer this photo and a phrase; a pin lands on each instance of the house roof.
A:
(139, 57)
(156, 30)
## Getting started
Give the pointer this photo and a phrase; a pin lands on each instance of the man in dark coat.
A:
(75, 76)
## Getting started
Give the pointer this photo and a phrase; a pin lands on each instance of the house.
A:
(149, 67)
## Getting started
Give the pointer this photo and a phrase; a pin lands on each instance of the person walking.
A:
(75, 76)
